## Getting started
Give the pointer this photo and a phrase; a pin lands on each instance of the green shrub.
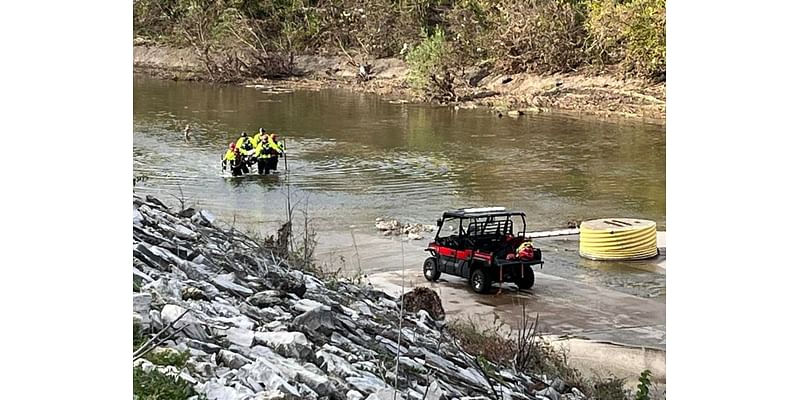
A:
(168, 357)
(470, 25)
(647, 37)
(629, 32)
(425, 59)
(643, 390)
(610, 389)
(155, 385)
(543, 36)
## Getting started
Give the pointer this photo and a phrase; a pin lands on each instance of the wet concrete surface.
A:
(565, 307)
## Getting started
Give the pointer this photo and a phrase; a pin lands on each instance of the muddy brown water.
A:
(354, 157)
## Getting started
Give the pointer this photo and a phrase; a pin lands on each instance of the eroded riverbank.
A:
(582, 92)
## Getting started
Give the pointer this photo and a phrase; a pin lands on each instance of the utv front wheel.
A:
(526, 281)
(479, 281)
(431, 269)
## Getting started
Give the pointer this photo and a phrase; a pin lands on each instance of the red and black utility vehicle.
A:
(483, 247)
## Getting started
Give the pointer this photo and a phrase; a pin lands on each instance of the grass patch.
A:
(155, 385)
(487, 343)
(529, 353)
(610, 389)
(168, 357)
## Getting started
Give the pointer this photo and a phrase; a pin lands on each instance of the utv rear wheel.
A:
(431, 269)
(479, 281)
(526, 282)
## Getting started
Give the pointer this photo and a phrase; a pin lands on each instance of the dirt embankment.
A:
(584, 91)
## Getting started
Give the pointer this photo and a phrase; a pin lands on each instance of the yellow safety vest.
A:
(230, 155)
(261, 151)
(255, 140)
(240, 145)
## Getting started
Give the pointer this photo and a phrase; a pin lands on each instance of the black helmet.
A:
(261, 130)
(244, 134)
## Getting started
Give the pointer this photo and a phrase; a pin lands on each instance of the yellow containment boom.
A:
(618, 239)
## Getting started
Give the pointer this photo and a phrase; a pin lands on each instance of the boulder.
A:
(385, 394)
(226, 282)
(333, 364)
(266, 298)
(240, 337)
(287, 344)
(354, 395)
(434, 391)
(203, 218)
(216, 391)
(367, 383)
(316, 319)
(231, 359)
(141, 309)
(549, 393)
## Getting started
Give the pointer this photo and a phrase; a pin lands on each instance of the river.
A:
(354, 157)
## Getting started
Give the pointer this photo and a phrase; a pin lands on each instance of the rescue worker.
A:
(276, 150)
(246, 148)
(256, 139)
(229, 157)
(262, 155)
(234, 159)
(244, 145)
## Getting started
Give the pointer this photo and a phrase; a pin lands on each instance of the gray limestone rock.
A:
(226, 282)
(333, 364)
(266, 298)
(239, 336)
(231, 359)
(354, 395)
(558, 385)
(434, 391)
(367, 383)
(216, 391)
(316, 319)
(386, 394)
(549, 393)
(287, 344)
